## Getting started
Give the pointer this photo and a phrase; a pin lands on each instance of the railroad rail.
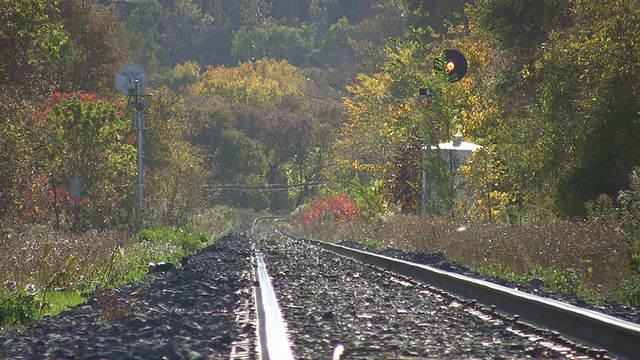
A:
(273, 341)
(272, 329)
(618, 337)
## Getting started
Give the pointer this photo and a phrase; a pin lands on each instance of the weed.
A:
(59, 301)
(111, 307)
(63, 266)
(18, 307)
(499, 271)
(368, 242)
(175, 242)
(217, 221)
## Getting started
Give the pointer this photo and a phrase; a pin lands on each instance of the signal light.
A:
(455, 65)
(451, 66)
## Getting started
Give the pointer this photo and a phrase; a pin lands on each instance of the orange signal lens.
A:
(451, 66)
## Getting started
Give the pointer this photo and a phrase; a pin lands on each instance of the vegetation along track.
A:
(334, 307)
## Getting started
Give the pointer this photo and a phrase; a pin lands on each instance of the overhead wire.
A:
(262, 187)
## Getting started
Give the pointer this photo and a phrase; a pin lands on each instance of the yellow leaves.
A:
(525, 72)
(379, 168)
(351, 109)
(397, 111)
(482, 114)
(261, 84)
(370, 90)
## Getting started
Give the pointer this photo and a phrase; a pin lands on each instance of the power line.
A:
(262, 187)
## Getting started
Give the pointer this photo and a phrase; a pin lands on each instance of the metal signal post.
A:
(139, 126)
(453, 66)
(131, 80)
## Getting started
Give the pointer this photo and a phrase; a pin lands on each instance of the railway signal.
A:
(131, 80)
(454, 66)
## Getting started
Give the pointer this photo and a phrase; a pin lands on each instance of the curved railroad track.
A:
(620, 337)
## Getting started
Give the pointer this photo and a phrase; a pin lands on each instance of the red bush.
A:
(338, 208)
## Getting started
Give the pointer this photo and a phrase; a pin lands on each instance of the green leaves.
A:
(32, 38)
(274, 41)
(28, 23)
(560, 86)
(518, 25)
(589, 80)
(86, 138)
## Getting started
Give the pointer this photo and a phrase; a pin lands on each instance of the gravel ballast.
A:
(332, 305)
(535, 286)
(188, 313)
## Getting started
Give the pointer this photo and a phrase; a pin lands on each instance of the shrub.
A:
(369, 198)
(185, 242)
(18, 307)
(338, 208)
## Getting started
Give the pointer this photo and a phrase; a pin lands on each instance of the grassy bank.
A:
(44, 271)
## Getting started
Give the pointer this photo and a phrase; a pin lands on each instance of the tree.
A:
(273, 109)
(21, 134)
(144, 19)
(95, 48)
(370, 38)
(568, 135)
(175, 167)
(437, 15)
(193, 31)
(88, 138)
(504, 113)
(183, 75)
(520, 26)
(595, 61)
(31, 38)
(273, 41)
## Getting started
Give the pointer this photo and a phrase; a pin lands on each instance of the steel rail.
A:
(272, 329)
(620, 338)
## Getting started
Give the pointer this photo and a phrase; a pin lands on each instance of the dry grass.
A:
(40, 256)
(595, 254)
(49, 259)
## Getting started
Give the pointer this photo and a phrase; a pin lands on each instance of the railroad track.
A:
(258, 294)
(272, 331)
(618, 337)
(559, 327)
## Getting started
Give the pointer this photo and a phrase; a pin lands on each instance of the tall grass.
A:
(44, 271)
(588, 259)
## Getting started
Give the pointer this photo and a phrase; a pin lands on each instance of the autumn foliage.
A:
(72, 136)
(336, 208)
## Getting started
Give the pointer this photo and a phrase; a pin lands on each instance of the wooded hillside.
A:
(265, 104)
